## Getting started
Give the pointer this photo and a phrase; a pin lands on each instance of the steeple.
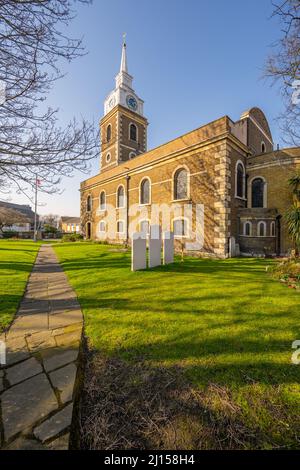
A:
(123, 127)
(124, 94)
(123, 67)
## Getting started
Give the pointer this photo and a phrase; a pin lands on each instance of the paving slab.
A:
(63, 380)
(55, 425)
(56, 357)
(61, 443)
(23, 371)
(26, 403)
(25, 444)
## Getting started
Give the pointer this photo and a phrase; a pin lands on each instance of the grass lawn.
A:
(224, 324)
(16, 260)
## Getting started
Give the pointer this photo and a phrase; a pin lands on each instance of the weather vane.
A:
(124, 38)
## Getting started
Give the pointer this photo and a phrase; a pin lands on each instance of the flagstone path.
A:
(37, 383)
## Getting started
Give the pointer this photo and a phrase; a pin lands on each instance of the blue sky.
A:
(192, 60)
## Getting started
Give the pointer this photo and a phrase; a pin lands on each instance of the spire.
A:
(123, 67)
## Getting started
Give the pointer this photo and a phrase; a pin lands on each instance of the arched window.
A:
(102, 226)
(133, 132)
(273, 229)
(102, 201)
(257, 189)
(261, 229)
(120, 226)
(89, 203)
(180, 228)
(120, 197)
(263, 147)
(240, 180)
(181, 184)
(248, 229)
(108, 133)
(145, 191)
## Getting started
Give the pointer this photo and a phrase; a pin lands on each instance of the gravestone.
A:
(138, 252)
(168, 247)
(155, 246)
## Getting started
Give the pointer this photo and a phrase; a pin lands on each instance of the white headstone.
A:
(138, 252)
(155, 246)
(168, 247)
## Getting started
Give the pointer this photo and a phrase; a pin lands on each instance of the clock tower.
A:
(123, 129)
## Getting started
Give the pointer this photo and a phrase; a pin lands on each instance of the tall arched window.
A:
(102, 201)
(108, 133)
(263, 147)
(273, 229)
(121, 197)
(257, 189)
(181, 184)
(247, 229)
(133, 132)
(261, 229)
(89, 203)
(240, 180)
(145, 191)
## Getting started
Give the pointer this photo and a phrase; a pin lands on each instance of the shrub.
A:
(287, 271)
(10, 234)
(72, 237)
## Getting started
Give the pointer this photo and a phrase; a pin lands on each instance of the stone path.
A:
(42, 345)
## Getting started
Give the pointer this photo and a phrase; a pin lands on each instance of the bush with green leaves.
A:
(72, 237)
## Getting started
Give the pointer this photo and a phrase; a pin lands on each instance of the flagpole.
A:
(35, 209)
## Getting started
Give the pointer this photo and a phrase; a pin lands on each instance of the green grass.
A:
(16, 260)
(225, 323)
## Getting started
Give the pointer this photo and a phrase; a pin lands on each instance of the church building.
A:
(224, 174)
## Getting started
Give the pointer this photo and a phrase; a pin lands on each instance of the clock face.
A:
(131, 102)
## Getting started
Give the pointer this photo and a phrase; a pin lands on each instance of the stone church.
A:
(228, 169)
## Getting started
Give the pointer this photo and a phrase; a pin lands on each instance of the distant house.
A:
(70, 225)
(16, 226)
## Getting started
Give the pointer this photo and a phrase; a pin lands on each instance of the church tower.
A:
(123, 129)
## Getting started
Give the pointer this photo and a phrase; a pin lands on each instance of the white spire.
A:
(123, 67)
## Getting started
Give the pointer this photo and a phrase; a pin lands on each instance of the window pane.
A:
(120, 226)
(89, 203)
(181, 184)
(133, 132)
(102, 200)
(240, 181)
(121, 197)
(258, 193)
(261, 230)
(180, 227)
(108, 133)
(145, 192)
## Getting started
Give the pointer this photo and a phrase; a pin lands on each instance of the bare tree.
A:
(284, 67)
(33, 45)
(9, 217)
(50, 219)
